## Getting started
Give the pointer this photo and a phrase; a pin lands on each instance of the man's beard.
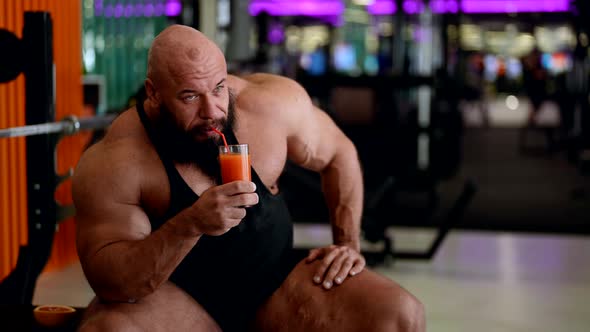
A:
(182, 147)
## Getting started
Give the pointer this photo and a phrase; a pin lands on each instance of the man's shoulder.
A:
(121, 154)
(266, 80)
(127, 139)
(107, 160)
(127, 149)
(262, 92)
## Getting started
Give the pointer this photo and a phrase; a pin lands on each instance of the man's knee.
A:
(405, 313)
(412, 316)
(107, 322)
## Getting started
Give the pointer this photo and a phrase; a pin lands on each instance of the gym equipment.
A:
(42, 133)
(68, 126)
(11, 58)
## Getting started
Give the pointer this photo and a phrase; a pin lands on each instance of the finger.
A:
(237, 187)
(326, 262)
(318, 253)
(234, 213)
(313, 255)
(243, 199)
(344, 270)
(359, 265)
(334, 269)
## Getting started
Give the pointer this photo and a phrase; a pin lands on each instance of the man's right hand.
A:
(222, 207)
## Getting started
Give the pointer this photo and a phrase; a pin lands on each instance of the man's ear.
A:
(152, 96)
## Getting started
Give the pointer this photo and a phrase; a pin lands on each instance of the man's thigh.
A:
(365, 302)
(167, 309)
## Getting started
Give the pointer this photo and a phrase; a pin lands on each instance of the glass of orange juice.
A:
(234, 160)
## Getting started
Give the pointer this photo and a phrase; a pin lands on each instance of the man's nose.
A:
(207, 108)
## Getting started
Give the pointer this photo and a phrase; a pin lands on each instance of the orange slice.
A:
(52, 315)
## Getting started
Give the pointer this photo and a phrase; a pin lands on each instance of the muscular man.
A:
(166, 247)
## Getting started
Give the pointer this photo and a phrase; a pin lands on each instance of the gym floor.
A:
(478, 281)
(517, 260)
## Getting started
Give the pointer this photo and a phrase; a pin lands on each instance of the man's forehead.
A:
(197, 83)
(196, 70)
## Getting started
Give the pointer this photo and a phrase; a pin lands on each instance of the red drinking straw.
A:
(221, 134)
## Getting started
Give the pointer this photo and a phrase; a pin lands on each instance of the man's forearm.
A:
(129, 270)
(343, 188)
(345, 229)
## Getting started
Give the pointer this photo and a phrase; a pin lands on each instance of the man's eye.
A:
(218, 89)
(190, 98)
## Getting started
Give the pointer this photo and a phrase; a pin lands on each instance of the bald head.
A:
(181, 50)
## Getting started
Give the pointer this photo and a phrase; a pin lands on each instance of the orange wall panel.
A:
(66, 18)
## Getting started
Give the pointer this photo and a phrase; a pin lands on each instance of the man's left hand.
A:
(338, 262)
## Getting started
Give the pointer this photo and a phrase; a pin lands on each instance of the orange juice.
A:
(234, 166)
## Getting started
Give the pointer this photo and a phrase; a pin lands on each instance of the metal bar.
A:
(455, 214)
(67, 126)
(96, 122)
(40, 129)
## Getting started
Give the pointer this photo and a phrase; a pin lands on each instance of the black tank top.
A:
(233, 274)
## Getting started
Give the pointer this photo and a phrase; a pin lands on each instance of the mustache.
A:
(219, 125)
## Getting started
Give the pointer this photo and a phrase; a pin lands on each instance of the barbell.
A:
(68, 126)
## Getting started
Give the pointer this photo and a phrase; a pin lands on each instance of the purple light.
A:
(108, 11)
(299, 8)
(452, 7)
(159, 9)
(388, 7)
(276, 34)
(98, 8)
(438, 6)
(382, 7)
(148, 10)
(385, 7)
(514, 6)
(118, 10)
(444, 6)
(173, 8)
(128, 10)
(138, 10)
(413, 6)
